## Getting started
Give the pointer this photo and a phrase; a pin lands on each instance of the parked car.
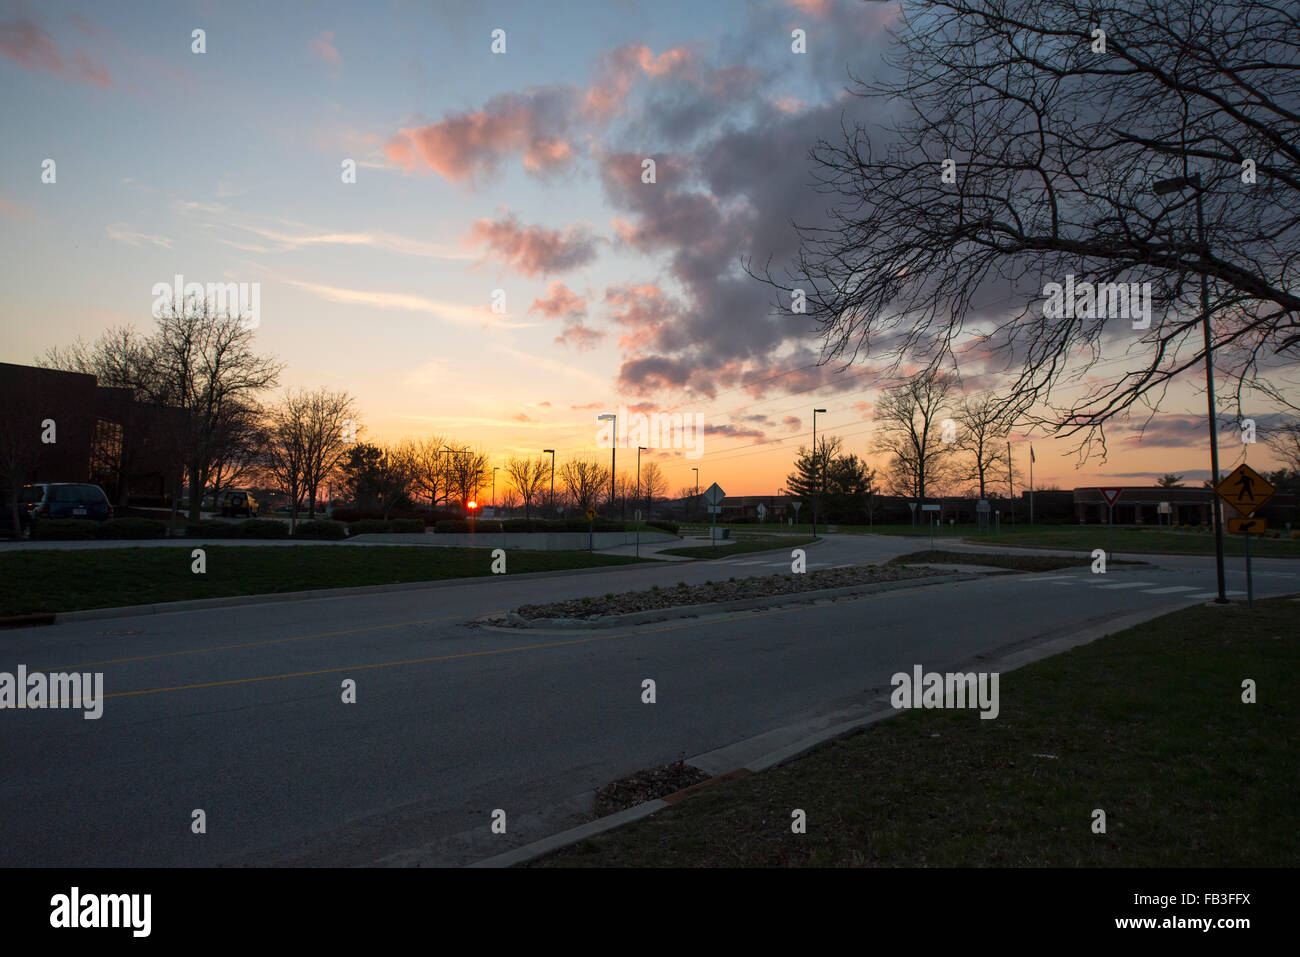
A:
(61, 500)
(237, 502)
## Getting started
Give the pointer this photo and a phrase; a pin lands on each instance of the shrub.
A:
(464, 526)
(372, 526)
(132, 528)
(669, 527)
(64, 529)
(263, 528)
(409, 526)
(209, 529)
(320, 528)
(424, 516)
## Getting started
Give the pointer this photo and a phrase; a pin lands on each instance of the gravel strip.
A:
(709, 592)
(646, 786)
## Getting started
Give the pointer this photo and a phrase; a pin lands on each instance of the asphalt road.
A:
(238, 711)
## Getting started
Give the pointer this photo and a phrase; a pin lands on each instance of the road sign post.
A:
(1111, 495)
(1246, 491)
(591, 527)
(1250, 579)
(931, 509)
(714, 496)
(796, 506)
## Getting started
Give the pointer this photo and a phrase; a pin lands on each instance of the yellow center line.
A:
(254, 644)
(504, 651)
(381, 664)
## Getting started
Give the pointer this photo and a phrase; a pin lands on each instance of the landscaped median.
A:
(36, 581)
(683, 600)
(1148, 725)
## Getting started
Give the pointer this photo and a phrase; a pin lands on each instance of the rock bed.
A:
(708, 592)
(646, 786)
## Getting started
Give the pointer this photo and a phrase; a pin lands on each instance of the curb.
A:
(237, 601)
(718, 607)
(877, 710)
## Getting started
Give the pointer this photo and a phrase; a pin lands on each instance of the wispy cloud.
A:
(452, 312)
(122, 234)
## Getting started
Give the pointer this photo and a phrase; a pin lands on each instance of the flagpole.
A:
(1011, 484)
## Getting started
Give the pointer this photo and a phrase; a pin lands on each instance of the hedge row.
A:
(521, 526)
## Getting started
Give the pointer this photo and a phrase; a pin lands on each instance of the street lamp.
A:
(552, 451)
(697, 484)
(639, 450)
(1175, 185)
(495, 469)
(613, 452)
(817, 500)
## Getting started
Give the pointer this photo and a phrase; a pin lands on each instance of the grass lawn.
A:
(755, 543)
(1147, 724)
(1129, 539)
(52, 581)
(1022, 563)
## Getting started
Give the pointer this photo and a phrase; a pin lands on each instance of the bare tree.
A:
(429, 467)
(1025, 152)
(528, 477)
(467, 472)
(909, 432)
(1284, 440)
(654, 486)
(585, 482)
(207, 368)
(331, 428)
(982, 428)
(287, 448)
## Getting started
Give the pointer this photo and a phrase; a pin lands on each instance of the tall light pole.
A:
(613, 452)
(552, 451)
(495, 469)
(815, 501)
(1161, 188)
(697, 484)
(639, 450)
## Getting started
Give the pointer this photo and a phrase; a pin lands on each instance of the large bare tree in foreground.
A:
(1056, 135)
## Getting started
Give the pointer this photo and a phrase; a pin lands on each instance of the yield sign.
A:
(1111, 495)
(1245, 489)
(714, 494)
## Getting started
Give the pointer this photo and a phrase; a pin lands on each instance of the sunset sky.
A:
(476, 172)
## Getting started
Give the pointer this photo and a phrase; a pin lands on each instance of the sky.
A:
(510, 179)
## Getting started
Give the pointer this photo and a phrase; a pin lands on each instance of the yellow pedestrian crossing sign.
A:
(1245, 490)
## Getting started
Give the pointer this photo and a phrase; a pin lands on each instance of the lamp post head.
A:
(1176, 184)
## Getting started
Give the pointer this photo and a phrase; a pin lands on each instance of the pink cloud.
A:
(620, 68)
(818, 8)
(533, 249)
(580, 337)
(462, 145)
(31, 46)
(323, 46)
(561, 302)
